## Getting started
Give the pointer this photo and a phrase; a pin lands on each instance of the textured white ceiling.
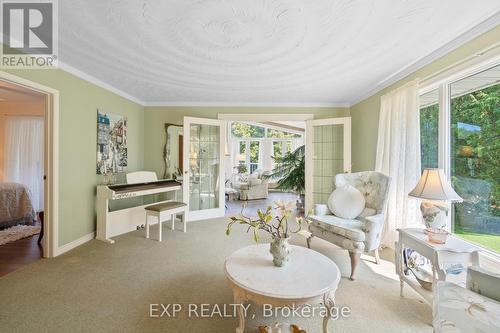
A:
(256, 51)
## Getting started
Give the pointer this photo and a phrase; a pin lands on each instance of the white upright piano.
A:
(117, 222)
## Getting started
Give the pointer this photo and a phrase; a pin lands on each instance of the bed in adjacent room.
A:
(15, 205)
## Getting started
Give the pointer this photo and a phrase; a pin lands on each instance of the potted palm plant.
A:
(290, 172)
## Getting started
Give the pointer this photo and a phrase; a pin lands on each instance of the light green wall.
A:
(156, 117)
(365, 114)
(79, 101)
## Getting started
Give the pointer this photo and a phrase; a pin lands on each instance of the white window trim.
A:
(263, 140)
(442, 82)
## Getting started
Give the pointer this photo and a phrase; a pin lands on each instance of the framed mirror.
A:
(172, 155)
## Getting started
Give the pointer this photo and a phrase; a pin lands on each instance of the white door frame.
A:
(346, 121)
(50, 241)
(265, 117)
(206, 213)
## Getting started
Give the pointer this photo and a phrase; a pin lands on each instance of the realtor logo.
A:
(29, 34)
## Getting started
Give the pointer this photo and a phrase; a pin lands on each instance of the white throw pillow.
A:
(346, 202)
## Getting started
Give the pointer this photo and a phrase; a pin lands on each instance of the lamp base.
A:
(429, 213)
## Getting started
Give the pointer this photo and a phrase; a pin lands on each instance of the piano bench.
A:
(163, 211)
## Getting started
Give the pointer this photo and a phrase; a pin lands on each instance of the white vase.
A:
(280, 249)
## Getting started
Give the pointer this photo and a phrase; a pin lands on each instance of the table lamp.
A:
(433, 187)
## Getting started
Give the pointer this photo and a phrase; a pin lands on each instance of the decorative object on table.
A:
(419, 266)
(111, 143)
(362, 234)
(277, 226)
(290, 170)
(281, 328)
(433, 187)
(437, 235)
(280, 249)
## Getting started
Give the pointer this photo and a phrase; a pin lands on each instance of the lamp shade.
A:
(241, 157)
(433, 185)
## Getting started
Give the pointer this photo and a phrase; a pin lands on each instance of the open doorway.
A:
(22, 172)
(216, 162)
(326, 145)
(265, 163)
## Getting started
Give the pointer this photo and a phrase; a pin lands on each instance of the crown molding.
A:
(476, 30)
(247, 104)
(92, 79)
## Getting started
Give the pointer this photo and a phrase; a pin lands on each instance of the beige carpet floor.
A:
(109, 288)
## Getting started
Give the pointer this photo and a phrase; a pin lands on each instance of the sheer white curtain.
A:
(231, 162)
(24, 155)
(267, 153)
(398, 156)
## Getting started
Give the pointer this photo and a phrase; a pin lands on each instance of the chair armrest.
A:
(373, 231)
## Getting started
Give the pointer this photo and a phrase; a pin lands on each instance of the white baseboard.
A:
(71, 245)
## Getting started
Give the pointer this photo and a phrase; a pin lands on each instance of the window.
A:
(469, 150)
(429, 125)
(273, 133)
(254, 156)
(243, 130)
(255, 140)
(475, 153)
(248, 162)
(277, 149)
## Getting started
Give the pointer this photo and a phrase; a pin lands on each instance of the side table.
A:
(456, 251)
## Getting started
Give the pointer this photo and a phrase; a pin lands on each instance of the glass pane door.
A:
(328, 153)
(203, 169)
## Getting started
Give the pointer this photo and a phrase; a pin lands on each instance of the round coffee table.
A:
(308, 278)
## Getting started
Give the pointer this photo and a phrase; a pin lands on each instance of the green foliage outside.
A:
(272, 133)
(242, 130)
(491, 242)
(278, 152)
(475, 153)
(429, 136)
(254, 151)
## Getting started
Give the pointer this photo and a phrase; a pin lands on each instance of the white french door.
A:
(328, 153)
(203, 174)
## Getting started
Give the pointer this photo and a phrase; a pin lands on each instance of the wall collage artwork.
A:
(111, 143)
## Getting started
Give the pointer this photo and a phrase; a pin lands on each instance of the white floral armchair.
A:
(363, 233)
(252, 187)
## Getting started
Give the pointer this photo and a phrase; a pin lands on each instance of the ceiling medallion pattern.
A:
(255, 51)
